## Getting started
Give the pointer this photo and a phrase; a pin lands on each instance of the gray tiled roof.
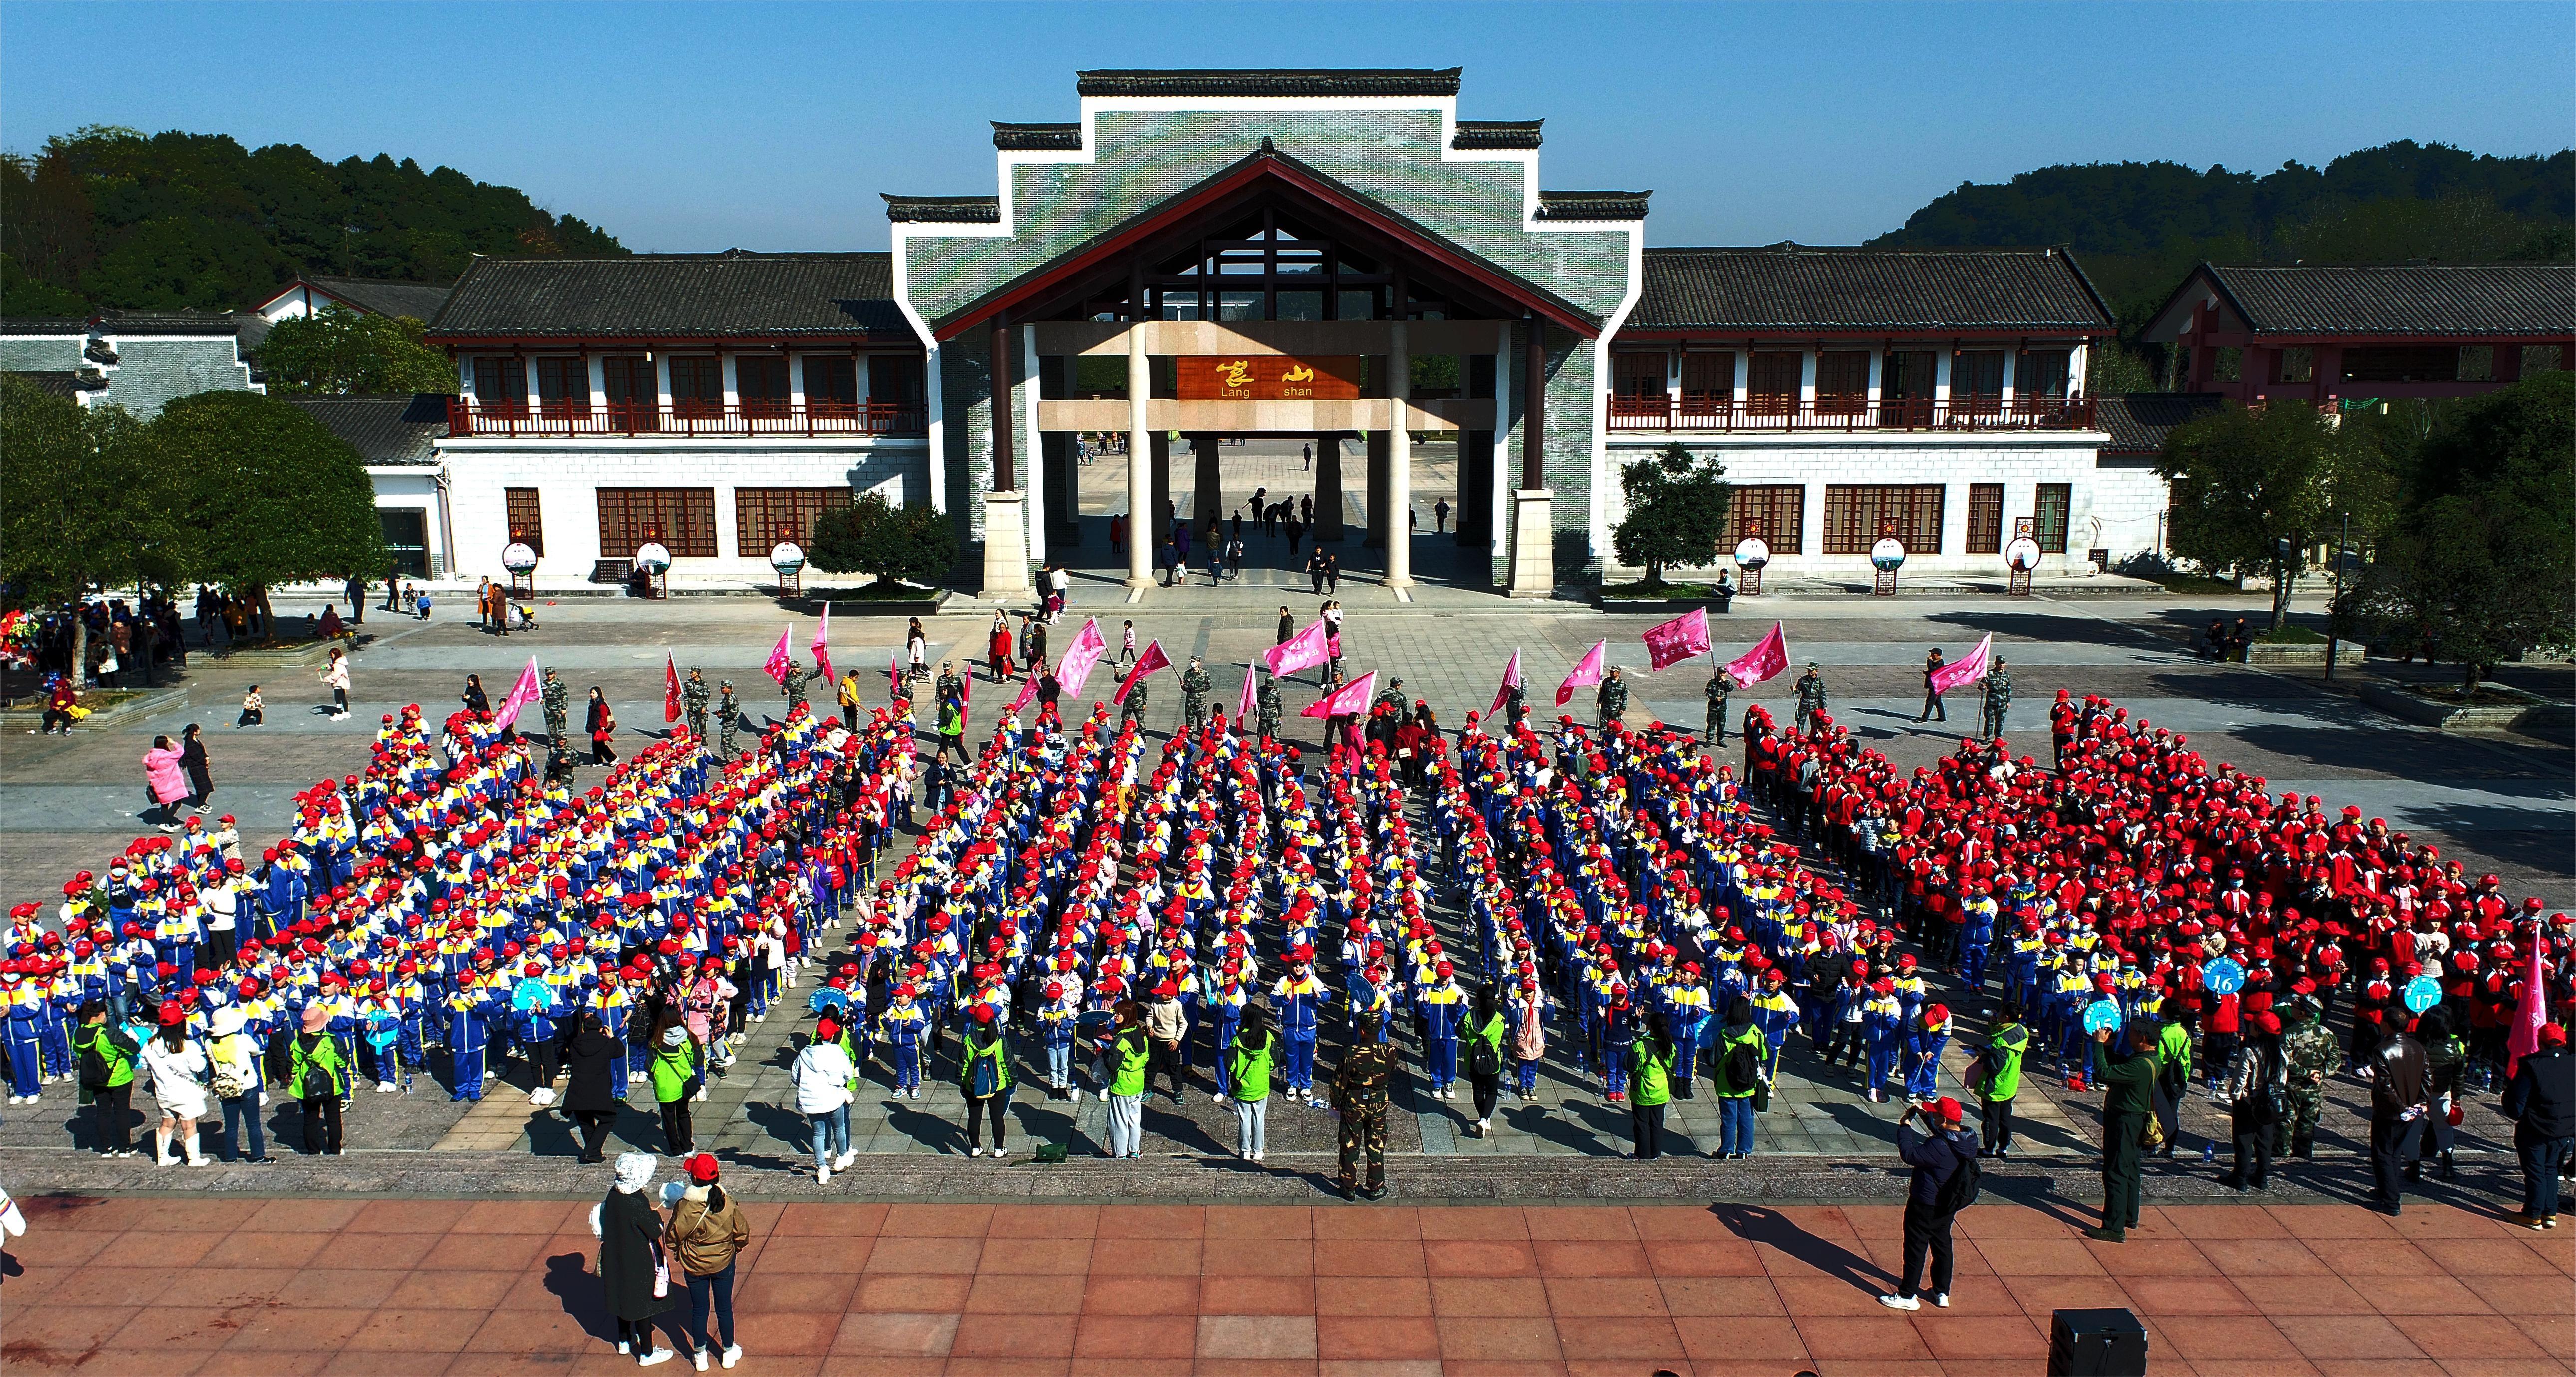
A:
(1022, 138)
(383, 430)
(1796, 287)
(57, 382)
(676, 295)
(1484, 134)
(419, 300)
(2465, 299)
(1349, 81)
(207, 323)
(943, 210)
(2139, 421)
(1592, 205)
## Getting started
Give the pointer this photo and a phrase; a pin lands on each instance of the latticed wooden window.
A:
(1778, 511)
(1708, 377)
(762, 517)
(1842, 382)
(1985, 518)
(1638, 376)
(2048, 516)
(1854, 513)
(683, 519)
(526, 518)
(1771, 389)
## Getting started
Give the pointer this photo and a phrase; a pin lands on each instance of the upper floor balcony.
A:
(1768, 414)
(468, 416)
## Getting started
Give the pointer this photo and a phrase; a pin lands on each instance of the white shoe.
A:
(1220, 1099)
(1894, 1302)
(625, 1347)
(1483, 1127)
(841, 1163)
(1941, 1299)
(1256, 1157)
(659, 1355)
(975, 1152)
(997, 1154)
(823, 1174)
(700, 1359)
(732, 1354)
(384, 1087)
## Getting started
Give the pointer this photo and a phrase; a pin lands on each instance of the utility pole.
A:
(2334, 610)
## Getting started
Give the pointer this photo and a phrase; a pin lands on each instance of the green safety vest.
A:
(2003, 1062)
(119, 1061)
(997, 1054)
(1251, 1069)
(672, 1067)
(1128, 1052)
(1750, 1037)
(1652, 1071)
(323, 1052)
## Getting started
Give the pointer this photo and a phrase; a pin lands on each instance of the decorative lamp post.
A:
(1887, 556)
(654, 562)
(1751, 554)
(788, 558)
(521, 561)
(2021, 555)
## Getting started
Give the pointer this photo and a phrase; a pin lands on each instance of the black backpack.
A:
(1960, 1191)
(1743, 1066)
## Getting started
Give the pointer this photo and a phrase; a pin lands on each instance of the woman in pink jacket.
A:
(167, 783)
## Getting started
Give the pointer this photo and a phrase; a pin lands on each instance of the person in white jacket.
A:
(178, 1066)
(824, 1079)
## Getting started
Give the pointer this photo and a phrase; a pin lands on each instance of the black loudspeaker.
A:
(2096, 1343)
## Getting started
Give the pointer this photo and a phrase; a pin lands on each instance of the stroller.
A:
(522, 617)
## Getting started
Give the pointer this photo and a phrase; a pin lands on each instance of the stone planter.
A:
(2296, 655)
(1665, 607)
(311, 654)
(142, 704)
(925, 606)
(2515, 710)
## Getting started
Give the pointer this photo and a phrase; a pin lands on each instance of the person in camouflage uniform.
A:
(1133, 709)
(948, 684)
(1392, 696)
(1997, 702)
(558, 705)
(1720, 685)
(798, 676)
(1195, 684)
(1271, 708)
(2310, 1052)
(693, 704)
(1612, 698)
(1811, 696)
(1359, 1097)
(728, 718)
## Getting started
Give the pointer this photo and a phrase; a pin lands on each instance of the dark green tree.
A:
(873, 536)
(353, 353)
(2251, 490)
(87, 499)
(1677, 509)
(278, 497)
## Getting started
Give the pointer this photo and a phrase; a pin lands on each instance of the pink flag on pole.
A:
(1586, 672)
(1967, 669)
(1028, 689)
(1310, 647)
(822, 644)
(1243, 707)
(1769, 657)
(1678, 640)
(521, 694)
(2529, 1013)
(1511, 680)
(1080, 658)
(1350, 700)
(777, 666)
(1153, 659)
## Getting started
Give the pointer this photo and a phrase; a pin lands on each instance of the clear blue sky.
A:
(703, 126)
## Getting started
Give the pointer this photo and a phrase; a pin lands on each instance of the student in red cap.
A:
(704, 1239)
(1933, 1197)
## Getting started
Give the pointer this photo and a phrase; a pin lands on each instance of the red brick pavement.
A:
(167, 1287)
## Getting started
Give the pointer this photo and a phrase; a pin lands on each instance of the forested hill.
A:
(113, 218)
(2138, 227)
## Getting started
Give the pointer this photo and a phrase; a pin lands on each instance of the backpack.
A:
(1960, 1191)
(1743, 1066)
(1485, 1057)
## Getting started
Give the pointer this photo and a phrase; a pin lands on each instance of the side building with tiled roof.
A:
(138, 360)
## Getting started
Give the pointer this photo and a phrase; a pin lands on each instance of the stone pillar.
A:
(1373, 528)
(1533, 544)
(1207, 496)
(1140, 486)
(1328, 489)
(1398, 521)
(1160, 448)
(1006, 545)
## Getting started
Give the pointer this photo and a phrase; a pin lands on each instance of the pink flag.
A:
(1678, 640)
(1968, 669)
(1350, 700)
(1243, 706)
(1586, 672)
(1153, 659)
(1028, 689)
(777, 666)
(1080, 658)
(1511, 680)
(521, 694)
(1768, 658)
(670, 688)
(1310, 647)
(822, 646)
(2528, 1014)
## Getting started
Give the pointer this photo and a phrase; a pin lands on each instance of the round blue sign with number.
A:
(2101, 1014)
(2222, 976)
(2422, 992)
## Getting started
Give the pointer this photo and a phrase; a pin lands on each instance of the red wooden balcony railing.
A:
(1827, 413)
(466, 417)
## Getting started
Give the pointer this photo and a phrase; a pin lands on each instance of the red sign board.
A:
(1268, 378)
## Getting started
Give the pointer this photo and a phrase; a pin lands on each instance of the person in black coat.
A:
(630, 1245)
(1935, 1156)
(2541, 1101)
(474, 699)
(192, 760)
(591, 1096)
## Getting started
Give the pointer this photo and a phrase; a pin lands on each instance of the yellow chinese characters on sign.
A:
(1268, 378)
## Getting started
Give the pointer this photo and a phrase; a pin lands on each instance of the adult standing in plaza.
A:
(2541, 1101)
(592, 1090)
(1995, 702)
(335, 676)
(2250, 1090)
(694, 694)
(166, 781)
(823, 1076)
(2128, 1075)
(178, 1069)
(192, 762)
(629, 1231)
(1249, 1064)
(601, 723)
(984, 1077)
(1125, 1054)
(1650, 1088)
(1720, 685)
(704, 1240)
(675, 1078)
(233, 1075)
(1933, 710)
(1360, 1087)
(1998, 1079)
(318, 1073)
(1737, 1069)
(556, 698)
(1611, 698)
(1932, 1201)
(2400, 1096)
(107, 1060)
(1811, 697)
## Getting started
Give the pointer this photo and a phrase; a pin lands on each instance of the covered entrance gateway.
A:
(1319, 257)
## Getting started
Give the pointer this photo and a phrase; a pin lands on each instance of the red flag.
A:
(1677, 640)
(1153, 659)
(2529, 1013)
(778, 661)
(1511, 680)
(1967, 669)
(521, 694)
(1350, 700)
(821, 646)
(1765, 660)
(1586, 672)
(1313, 646)
(670, 688)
